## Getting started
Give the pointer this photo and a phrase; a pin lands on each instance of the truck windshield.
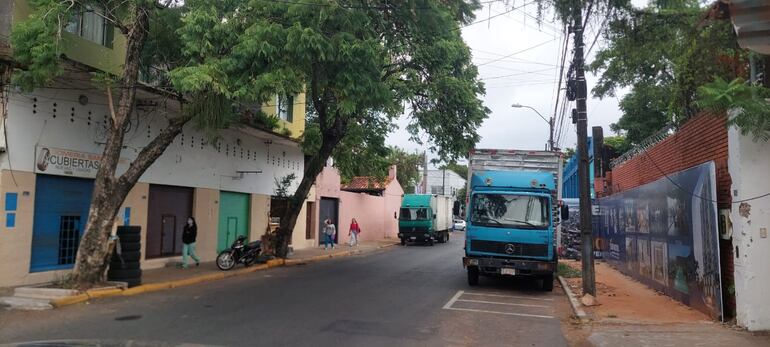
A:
(510, 211)
(414, 214)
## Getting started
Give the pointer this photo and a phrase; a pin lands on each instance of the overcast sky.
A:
(528, 78)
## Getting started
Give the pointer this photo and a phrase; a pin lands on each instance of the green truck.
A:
(425, 218)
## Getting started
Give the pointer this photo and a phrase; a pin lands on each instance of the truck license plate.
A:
(507, 271)
(413, 238)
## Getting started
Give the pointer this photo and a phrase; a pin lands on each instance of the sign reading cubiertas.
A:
(66, 162)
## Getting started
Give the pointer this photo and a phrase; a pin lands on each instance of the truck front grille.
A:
(413, 229)
(510, 248)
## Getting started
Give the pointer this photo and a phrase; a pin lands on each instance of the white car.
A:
(459, 224)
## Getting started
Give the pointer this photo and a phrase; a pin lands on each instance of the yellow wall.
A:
(82, 50)
(16, 243)
(260, 211)
(206, 213)
(297, 126)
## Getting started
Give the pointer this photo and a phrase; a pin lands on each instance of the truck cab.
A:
(424, 218)
(510, 226)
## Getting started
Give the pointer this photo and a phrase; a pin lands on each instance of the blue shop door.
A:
(61, 211)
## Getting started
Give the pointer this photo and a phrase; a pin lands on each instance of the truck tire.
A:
(473, 276)
(403, 242)
(548, 283)
(430, 241)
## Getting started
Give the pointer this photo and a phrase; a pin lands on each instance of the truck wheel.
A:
(430, 241)
(548, 283)
(473, 276)
(403, 242)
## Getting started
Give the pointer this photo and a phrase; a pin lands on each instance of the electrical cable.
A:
(517, 52)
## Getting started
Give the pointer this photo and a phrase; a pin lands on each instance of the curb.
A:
(154, 287)
(576, 309)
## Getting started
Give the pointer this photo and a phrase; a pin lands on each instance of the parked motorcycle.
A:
(239, 253)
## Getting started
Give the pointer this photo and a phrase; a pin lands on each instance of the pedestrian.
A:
(353, 233)
(189, 233)
(329, 231)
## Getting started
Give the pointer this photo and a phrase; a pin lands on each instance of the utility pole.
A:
(443, 181)
(425, 172)
(550, 134)
(589, 280)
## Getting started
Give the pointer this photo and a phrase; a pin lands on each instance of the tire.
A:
(130, 238)
(441, 237)
(117, 265)
(225, 261)
(548, 283)
(430, 242)
(117, 274)
(129, 230)
(130, 247)
(127, 256)
(403, 242)
(473, 276)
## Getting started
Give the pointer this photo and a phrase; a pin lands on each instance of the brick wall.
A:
(701, 139)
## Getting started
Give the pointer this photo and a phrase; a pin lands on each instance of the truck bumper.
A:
(415, 236)
(518, 267)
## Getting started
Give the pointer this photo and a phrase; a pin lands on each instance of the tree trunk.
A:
(108, 195)
(289, 220)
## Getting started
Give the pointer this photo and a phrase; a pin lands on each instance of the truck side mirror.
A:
(456, 208)
(564, 212)
(434, 216)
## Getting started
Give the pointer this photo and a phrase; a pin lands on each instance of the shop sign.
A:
(67, 162)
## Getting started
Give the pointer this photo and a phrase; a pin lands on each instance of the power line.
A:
(495, 16)
(517, 52)
(517, 74)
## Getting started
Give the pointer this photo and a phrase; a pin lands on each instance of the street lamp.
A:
(550, 123)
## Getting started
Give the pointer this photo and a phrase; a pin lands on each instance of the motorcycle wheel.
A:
(225, 261)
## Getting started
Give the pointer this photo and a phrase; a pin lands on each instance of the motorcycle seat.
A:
(254, 244)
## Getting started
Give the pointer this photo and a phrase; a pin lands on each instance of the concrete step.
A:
(16, 303)
(42, 293)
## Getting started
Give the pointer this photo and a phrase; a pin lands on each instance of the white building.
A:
(442, 182)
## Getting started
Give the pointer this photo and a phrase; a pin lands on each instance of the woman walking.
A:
(353, 233)
(329, 231)
(189, 233)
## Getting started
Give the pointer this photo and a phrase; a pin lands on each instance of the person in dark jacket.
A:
(189, 233)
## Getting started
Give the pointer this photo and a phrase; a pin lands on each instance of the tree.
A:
(569, 152)
(459, 169)
(359, 63)
(664, 55)
(619, 143)
(408, 167)
(37, 53)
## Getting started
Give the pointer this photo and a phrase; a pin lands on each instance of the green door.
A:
(233, 218)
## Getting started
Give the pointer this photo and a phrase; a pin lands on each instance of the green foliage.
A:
(459, 169)
(567, 271)
(282, 185)
(408, 167)
(664, 55)
(35, 43)
(751, 109)
(619, 143)
(568, 153)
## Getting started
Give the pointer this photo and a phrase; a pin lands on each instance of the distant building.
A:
(570, 187)
(442, 182)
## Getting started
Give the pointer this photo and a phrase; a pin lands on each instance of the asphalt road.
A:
(403, 296)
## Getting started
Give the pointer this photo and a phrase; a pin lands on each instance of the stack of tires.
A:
(124, 267)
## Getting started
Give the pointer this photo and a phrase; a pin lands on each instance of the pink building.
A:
(373, 204)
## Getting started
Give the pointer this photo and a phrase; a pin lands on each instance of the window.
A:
(510, 211)
(89, 24)
(436, 190)
(284, 108)
(414, 213)
(69, 239)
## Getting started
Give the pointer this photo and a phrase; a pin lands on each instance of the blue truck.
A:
(513, 214)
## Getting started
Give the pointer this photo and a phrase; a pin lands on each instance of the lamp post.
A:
(549, 121)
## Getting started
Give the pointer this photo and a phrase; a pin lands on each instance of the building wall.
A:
(448, 179)
(570, 185)
(703, 138)
(749, 165)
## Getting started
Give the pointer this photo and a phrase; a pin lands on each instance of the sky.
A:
(528, 78)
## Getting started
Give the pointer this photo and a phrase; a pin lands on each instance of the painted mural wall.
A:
(665, 234)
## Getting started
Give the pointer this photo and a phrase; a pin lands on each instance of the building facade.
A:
(443, 182)
(570, 184)
(52, 138)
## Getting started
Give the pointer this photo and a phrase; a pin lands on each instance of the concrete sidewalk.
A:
(173, 273)
(631, 314)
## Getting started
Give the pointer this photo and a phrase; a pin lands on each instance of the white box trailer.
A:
(442, 207)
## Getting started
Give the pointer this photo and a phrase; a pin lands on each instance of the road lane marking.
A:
(498, 312)
(501, 303)
(509, 296)
(453, 299)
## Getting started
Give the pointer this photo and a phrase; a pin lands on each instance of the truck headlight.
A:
(426, 235)
(474, 262)
(543, 266)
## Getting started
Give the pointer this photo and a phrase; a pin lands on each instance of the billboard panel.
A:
(665, 234)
